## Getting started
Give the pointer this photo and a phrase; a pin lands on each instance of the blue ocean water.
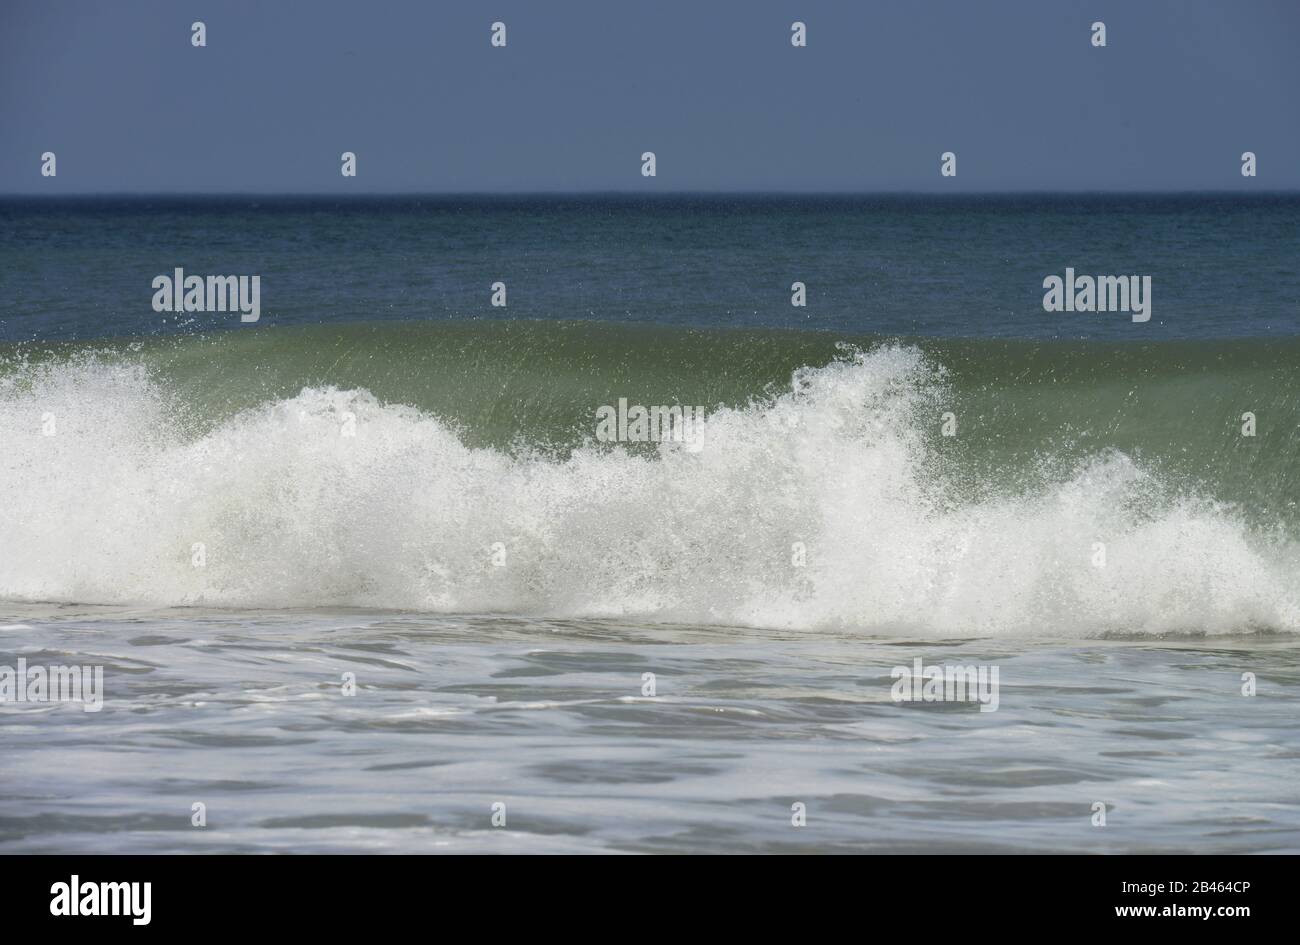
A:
(1222, 266)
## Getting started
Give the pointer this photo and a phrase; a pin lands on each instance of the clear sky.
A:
(583, 87)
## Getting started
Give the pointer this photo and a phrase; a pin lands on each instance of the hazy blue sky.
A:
(1014, 87)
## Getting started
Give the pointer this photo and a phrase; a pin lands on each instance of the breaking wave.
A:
(832, 503)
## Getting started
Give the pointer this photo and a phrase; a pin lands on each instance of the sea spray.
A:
(403, 514)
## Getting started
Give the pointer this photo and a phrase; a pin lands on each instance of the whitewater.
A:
(111, 486)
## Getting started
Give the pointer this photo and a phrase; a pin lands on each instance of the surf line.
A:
(1100, 294)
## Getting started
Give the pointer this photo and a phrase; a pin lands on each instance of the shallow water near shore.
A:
(244, 712)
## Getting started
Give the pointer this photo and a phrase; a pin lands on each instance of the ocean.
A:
(365, 575)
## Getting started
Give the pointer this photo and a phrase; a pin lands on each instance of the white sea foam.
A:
(403, 515)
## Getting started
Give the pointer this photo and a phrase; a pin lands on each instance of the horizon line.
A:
(643, 193)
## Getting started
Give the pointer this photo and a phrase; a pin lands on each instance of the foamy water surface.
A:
(245, 714)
